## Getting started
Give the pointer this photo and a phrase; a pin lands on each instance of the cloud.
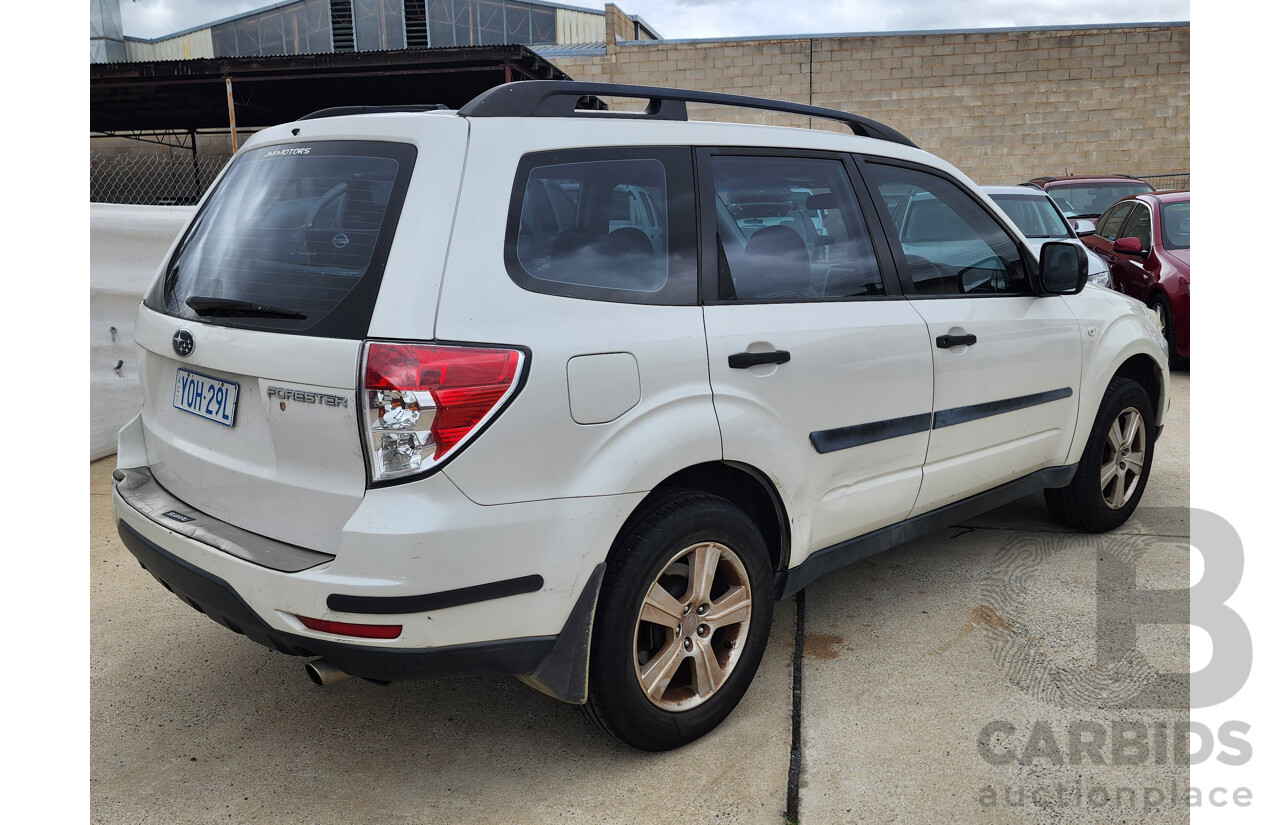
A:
(156, 18)
(751, 18)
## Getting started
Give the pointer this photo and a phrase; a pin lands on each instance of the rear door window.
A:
(293, 239)
(789, 229)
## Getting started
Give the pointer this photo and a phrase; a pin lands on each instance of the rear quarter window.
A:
(293, 239)
(605, 224)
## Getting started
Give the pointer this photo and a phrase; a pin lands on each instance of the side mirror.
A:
(1084, 226)
(1128, 246)
(1064, 268)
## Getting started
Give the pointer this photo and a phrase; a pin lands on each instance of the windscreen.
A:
(1088, 200)
(1034, 215)
(294, 239)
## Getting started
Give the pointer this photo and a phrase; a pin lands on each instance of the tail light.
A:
(422, 403)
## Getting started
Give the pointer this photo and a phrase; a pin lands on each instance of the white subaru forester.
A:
(539, 389)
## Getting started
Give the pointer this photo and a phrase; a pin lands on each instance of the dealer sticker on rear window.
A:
(206, 397)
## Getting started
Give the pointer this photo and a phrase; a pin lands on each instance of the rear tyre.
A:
(1164, 317)
(682, 623)
(1113, 472)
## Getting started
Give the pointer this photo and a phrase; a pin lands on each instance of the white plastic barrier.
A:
(126, 246)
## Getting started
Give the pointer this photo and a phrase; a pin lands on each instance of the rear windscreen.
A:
(293, 239)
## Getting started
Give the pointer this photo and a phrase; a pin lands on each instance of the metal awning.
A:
(186, 95)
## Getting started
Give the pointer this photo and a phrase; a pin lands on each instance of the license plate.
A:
(206, 397)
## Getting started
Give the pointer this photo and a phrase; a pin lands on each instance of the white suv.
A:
(576, 395)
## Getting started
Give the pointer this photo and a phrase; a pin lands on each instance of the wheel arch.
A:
(1155, 291)
(1146, 372)
(1135, 362)
(743, 485)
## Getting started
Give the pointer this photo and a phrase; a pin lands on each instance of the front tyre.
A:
(682, 622)
(1116, 464)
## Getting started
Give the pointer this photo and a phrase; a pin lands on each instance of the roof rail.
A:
(560, 98)
(339, 111)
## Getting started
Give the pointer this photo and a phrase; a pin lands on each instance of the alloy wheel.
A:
(692, 626)
(1124, 458)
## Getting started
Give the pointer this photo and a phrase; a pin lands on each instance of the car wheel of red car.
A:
(1165, 318)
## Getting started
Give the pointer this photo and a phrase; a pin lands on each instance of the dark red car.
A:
(1146, 242)
(1088, 196)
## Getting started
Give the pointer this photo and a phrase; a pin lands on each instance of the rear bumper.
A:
(219, 601)
(477, 590)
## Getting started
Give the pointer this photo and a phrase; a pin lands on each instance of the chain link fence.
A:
(1180, 181)
(166, 179)
(152, 178)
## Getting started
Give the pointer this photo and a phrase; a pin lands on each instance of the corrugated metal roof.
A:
(191, 94)
(570, 50)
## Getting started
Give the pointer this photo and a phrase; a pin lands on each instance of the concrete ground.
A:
(960, 678)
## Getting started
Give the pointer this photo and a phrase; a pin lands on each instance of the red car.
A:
(1146, 242)
(1087, 196)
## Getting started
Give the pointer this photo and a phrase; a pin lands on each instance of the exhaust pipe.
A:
(324, 673)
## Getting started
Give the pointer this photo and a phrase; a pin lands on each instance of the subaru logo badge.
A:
(184, 343)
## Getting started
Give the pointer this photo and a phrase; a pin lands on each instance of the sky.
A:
(746, 18)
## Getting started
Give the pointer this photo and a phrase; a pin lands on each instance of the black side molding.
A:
(842, 438)
(386, 605)
(959, 415)
(886, 538)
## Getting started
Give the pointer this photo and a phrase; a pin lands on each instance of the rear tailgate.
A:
(322, 234)
(288, 464)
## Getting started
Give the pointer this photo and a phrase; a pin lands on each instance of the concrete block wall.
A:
(1002, 105)
(617, 25)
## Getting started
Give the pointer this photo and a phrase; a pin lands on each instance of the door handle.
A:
(745, 360)
(949, 341)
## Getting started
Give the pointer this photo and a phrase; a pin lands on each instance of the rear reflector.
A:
(422, 403)
(363, 631)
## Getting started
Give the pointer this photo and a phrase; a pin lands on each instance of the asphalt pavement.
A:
(1004, 670)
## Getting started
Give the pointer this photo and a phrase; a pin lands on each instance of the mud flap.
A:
(563, 672)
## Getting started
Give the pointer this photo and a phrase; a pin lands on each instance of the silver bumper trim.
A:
(139, 489)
